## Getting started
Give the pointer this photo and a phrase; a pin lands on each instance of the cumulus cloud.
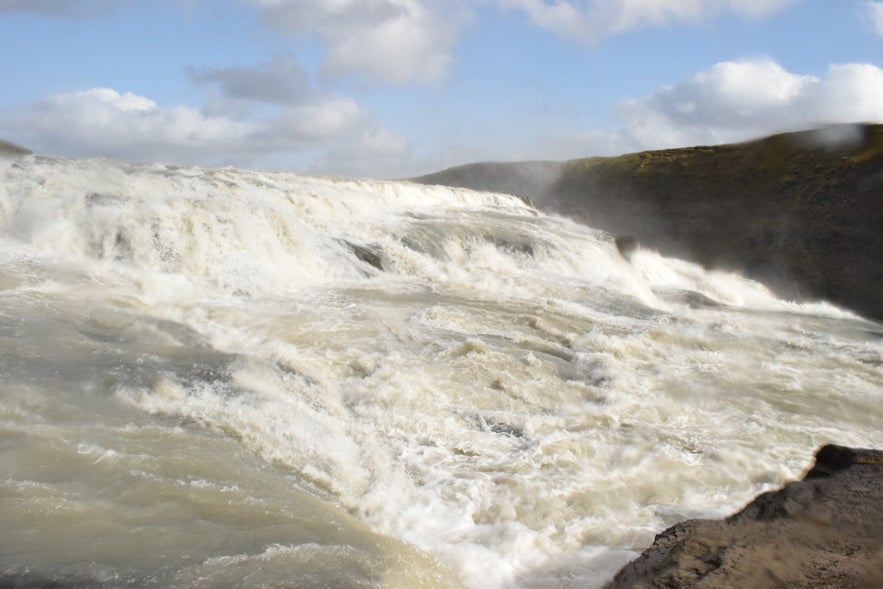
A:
(316, 121)
(390, 156)
(63, 8)
(281, 81)
(729, 102)
(299, 113)
(592, 20)
(102, 122)
(735, 101)
(397, 41)
(875, 11)
(405, 41)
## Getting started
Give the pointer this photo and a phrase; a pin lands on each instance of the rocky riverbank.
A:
(825, 531)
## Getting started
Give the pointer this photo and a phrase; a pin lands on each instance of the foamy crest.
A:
(297, 359)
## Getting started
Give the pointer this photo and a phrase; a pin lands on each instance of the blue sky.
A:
(392, 88)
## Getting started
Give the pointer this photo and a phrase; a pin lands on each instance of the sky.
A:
(397, 88)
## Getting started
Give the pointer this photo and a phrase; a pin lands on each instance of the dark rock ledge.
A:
(825, 531)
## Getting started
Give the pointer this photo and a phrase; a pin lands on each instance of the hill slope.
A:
(801, 211)
(520, 178)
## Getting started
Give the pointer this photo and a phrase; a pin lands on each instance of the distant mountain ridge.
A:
(7, 148)
(801, 211)
(528, 179)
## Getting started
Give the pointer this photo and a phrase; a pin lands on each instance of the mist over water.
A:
(215, 377)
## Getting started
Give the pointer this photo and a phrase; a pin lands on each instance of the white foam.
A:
(507, 393)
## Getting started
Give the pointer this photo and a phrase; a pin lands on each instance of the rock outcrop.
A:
(825, 531)
(800, 211)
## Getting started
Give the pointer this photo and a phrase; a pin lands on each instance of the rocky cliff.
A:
(825, 531)
(801, 211)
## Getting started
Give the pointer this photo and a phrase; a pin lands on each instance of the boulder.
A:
(824, 531)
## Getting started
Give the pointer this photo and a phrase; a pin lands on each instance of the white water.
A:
(205, 382)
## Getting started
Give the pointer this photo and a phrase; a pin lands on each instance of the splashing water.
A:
(215, 377)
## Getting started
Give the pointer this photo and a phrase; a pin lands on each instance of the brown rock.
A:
(825, 531)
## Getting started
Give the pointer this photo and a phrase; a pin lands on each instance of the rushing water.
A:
(225, 378)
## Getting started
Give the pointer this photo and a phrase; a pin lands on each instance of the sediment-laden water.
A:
(225, 378)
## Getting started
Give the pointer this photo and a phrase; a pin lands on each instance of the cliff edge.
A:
(825, 531)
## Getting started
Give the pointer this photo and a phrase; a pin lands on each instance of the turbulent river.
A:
(226, 378)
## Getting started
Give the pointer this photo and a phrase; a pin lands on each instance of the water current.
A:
(230, 378)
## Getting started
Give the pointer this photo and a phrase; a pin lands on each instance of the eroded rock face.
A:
(825, 531)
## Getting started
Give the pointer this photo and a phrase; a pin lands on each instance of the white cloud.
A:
(729, 102)
(101, 122)
(852, 92)
(875, 10)
(592, 20)
(295, 104)
(405, 41)
(735, 101)
(391, 156)
(397, 41)
(330, 118)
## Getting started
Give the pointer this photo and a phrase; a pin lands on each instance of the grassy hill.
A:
(802, 211)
